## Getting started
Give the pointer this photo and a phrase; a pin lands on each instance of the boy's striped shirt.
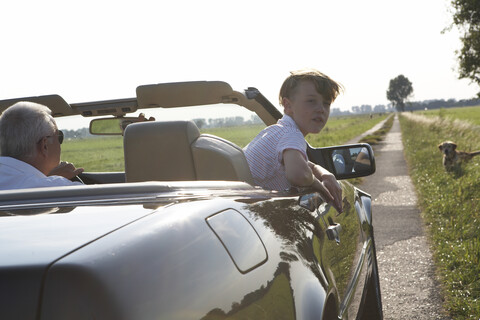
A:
(265, 153)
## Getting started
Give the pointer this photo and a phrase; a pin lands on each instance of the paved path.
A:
(366, 133)
(409, 290)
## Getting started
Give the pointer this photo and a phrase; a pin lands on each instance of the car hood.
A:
(30, 244)
(39, 226)
(43, 238)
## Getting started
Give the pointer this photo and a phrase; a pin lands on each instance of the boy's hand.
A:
(332, 185)
(301, 173)
(329, 181)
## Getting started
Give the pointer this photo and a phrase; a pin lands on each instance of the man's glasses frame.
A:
(59, 135)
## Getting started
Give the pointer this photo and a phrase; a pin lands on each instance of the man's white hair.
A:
(22, 126)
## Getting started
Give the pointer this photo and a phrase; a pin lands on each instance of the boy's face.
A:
(308, 108)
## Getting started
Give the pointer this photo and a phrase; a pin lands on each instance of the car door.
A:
(328, 247)
(343, 250)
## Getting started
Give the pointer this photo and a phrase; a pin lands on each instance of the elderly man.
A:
(30, 149)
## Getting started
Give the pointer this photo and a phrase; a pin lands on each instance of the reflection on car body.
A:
(128, 246)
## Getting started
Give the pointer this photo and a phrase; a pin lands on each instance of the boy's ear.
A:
(287, 106)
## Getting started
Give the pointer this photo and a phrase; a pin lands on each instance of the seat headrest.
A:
(160, 151)
(219, 159)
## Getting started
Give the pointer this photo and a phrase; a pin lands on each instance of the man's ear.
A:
(42, 147)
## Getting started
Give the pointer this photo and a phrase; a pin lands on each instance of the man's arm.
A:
(301, 173)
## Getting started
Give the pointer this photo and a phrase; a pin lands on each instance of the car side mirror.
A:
(352, 161)
(346, 161)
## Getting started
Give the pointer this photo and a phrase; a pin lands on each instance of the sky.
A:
(98, 50)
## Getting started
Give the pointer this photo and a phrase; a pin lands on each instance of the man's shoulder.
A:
(8, 160)
(29, 181)
(10, 163)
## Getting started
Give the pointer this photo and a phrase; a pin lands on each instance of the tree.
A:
(379, 108)
(200, 122)
(399, 90)
(365, 108)
(467, 19)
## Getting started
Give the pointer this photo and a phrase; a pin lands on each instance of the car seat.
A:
(176, 151)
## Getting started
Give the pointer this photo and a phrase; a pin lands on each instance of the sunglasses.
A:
(59, 135)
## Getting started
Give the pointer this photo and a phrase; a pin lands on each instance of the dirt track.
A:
(407, 276)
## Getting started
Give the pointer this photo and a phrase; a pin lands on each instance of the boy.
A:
(277, 155)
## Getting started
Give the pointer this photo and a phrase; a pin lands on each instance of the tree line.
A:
(408, 106)
(400, 89)
(355, 110)
(227, 121)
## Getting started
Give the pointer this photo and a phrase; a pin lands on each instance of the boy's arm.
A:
(301, 173)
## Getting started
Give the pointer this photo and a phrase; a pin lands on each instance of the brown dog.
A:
(452, 157)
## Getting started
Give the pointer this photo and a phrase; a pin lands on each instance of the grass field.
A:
(105, 154)
(470, 114)
(339, 130)
(450, 203)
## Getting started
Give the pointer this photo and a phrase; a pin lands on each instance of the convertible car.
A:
(181, 231)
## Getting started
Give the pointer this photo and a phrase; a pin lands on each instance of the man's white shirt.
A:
(16, 174)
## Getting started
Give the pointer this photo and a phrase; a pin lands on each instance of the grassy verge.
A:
(342, 129)
(470, 114)
(380, 134)
(450, 203)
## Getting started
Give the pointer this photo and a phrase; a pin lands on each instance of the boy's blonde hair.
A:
(327, 87)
